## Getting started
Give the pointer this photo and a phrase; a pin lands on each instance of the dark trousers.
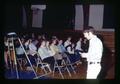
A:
(77, 52)
(51, 61)
(32, 60)
(73, 57)
(21, 56)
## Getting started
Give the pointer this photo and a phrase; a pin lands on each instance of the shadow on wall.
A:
(106, 61)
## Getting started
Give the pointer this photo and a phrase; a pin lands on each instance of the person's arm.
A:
(84, 55)
(69, 50)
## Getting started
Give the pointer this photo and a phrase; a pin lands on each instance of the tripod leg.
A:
(9, 51)
(9, 57)
(15, 62)
(6, 59)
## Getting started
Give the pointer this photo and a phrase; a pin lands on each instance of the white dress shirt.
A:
(95, 50)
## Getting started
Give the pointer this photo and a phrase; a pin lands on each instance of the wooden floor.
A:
(80, 73)
(107, 71)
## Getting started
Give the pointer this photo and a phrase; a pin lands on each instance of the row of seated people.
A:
(49, 50)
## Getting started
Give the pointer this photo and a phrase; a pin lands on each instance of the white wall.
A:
(96, 16)
(37, 19)
(79, 17)
(38, 16)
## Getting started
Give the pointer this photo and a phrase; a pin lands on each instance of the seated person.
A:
(20, 53)
(67, 42)
(32, 52)
(45, 54)
(19, 50)
(55, 50)
(71, 53)
(61, 48)
(78, 45)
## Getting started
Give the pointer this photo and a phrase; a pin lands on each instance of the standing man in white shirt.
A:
(94, 53)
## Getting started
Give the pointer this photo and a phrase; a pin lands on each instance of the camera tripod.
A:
(12, 55)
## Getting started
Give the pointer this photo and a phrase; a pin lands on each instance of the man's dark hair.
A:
(89, 29)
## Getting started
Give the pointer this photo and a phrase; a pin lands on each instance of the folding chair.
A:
(43, 65)
(21, 62)
(68, 62)
(63, 65)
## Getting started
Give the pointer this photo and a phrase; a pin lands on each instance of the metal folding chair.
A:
(59, 67)
(45, 66)
(21, 62)
(69, 63)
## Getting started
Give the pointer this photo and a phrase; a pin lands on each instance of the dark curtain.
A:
(109, 17)
(59, 17)
(28, 15)
(86, 14)
(12, 17)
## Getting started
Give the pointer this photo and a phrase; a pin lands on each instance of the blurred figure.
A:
(55, 50)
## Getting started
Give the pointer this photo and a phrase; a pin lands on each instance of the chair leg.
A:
(54, 70)
(36, 67)
(67, 68)
(57, 66)
(61, 73)
(49, 68)
(20, 64)
(73, 69)
(71, 65)
(44, 70)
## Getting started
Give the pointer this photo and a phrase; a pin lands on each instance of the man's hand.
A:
(81, 54)
(84, 55)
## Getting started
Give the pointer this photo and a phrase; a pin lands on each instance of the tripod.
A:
(12, 56)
